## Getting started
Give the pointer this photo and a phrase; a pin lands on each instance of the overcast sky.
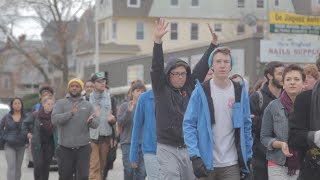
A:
(30, 27)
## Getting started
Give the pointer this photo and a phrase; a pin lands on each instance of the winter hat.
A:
(77, 80)
(214, 52)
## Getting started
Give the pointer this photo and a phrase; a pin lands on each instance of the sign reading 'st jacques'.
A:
(283, 22)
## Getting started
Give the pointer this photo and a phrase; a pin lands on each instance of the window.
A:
(259, 28)
(102, 37)
(276, 2)
(6, 83)
(135, 72)
(133, 3)
(174, 31)
(114, 30)
(194, 2)
(260, 3)
(241, 3)
(240, 29)
(140, 31)
(217, 27)
(174, 2)
(194, 31)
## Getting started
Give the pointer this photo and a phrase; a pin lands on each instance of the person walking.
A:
(144, 125)
(283, 162)
(101, 136)
(43, 137)
(217, 124)
(259, 100)
(172, 87)
(304, 133)
(15, 139)
(73, 116)
(125, 122)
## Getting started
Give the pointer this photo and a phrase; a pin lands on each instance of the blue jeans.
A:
(129, 172)
(152, 166)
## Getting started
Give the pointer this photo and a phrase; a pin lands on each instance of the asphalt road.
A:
(27, 173)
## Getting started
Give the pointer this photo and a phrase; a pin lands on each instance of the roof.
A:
(109, 47)
(120, 8)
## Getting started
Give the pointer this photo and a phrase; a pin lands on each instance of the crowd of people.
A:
(202, 123)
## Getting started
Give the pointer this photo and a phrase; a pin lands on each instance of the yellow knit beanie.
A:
(77, 80)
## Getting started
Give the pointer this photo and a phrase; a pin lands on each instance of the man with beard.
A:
(258, 102)
(100, 137)
(73, 116)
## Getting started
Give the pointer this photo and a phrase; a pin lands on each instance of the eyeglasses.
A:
(177, 74)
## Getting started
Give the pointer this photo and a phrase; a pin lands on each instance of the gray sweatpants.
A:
(280, 173)
(14, 157)
(224, 173)
(175, 163)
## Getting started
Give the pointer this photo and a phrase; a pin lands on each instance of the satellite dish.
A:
(250, 19)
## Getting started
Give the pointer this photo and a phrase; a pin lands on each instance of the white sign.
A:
(289, 51)
(135, 72)
(238, 61)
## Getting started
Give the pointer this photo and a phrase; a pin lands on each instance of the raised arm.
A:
(157, 68)
(202, 67)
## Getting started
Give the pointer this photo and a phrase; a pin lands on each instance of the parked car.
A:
(4, 109)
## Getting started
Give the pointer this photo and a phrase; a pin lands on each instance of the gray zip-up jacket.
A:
(104, 101)
(274, 127)
(73, 130)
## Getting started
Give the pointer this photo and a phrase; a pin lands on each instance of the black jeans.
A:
(41, 160)
(73, 161)
(259, 168)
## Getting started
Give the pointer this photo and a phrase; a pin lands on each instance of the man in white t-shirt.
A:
(217, 124)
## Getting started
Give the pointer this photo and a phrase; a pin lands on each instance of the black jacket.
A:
(171, 103)
(300, 136)
(12, 132)
(258, 148)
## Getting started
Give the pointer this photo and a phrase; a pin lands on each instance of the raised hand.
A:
(213, 35)
(131, 105)
(160, 30)
(75, 108)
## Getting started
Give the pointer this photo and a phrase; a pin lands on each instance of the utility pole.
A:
(96, 54)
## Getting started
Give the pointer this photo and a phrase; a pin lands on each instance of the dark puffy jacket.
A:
(171, 103)
(12, 132)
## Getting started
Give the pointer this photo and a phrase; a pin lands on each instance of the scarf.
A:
(293, 161)
(98, 97)
(45, 121)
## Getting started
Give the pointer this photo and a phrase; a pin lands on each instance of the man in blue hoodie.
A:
(172, 87)
(217, 124)
(144, 125)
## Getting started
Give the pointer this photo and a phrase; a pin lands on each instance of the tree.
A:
(54, 16)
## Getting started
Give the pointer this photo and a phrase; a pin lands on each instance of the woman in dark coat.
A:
(15, 139)
(43, 138)
(304, 134)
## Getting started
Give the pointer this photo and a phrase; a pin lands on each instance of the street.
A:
(27, 173)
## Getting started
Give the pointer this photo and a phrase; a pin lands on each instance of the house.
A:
(18, 76)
